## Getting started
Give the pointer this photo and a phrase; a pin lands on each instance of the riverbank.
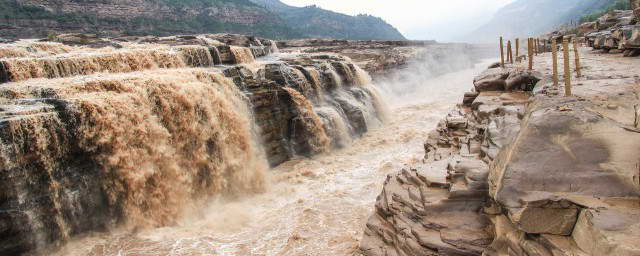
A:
(523, 173)
(313, 206)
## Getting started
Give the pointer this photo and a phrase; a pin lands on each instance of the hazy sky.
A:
(442, 20)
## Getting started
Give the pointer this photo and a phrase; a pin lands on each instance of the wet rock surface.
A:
(520, 170)
(130, 132)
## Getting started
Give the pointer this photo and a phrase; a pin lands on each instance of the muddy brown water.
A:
(315, 206)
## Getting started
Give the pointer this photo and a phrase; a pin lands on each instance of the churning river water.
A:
(315, 206)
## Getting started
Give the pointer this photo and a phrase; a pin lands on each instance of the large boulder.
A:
(506, 79)
(491, 80)
(522, 80)
(565, 156)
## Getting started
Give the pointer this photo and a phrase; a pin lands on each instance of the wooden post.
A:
(554, 55)
(567, 68)
(518, 49)
(535, 46)
(501, 53)
(544, 45)
(540, 45)
(509, 52)
(507, 60)
(577, 56)
(530, 50)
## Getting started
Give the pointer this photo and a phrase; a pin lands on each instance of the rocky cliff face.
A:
(135, 132)
(39, 18)
(513, 171)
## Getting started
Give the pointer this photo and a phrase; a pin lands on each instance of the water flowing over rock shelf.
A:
(100, 133)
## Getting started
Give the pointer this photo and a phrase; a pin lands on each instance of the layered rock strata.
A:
(519, 170)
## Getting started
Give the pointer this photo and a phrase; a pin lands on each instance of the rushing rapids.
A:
(141, 136)
(314, 206)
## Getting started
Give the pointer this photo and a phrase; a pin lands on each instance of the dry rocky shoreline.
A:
(519, 169)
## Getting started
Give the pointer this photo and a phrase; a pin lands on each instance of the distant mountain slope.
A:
(524, 18)
(319, 23)
(37, 18)
(271, 19)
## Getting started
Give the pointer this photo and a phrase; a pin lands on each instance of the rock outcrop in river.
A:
(519, 170)
(137, 131)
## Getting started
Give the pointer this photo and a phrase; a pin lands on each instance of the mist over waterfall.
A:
(414, 82)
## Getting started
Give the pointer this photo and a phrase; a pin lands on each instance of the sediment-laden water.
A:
(311, 206)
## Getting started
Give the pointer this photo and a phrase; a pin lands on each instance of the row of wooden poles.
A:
(534, 47)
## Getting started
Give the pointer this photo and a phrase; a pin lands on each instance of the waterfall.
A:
(333, 80)
(273, 47)
(242, 55)
(20, 69)
(363, 79)
(196, 56)
(190, 136)
(32, 49)
(215, 54)
(49, 48)
(313, 76)
(314, 131)
(336, 126)
(151, 144)
(6, 52)
(139, 137)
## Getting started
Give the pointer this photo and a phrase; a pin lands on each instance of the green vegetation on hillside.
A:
(320, 23)
(617, 5)
(22, 20)
(206, 2)
(10, 10)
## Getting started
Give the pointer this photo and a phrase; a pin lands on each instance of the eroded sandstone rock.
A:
(557, 176)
